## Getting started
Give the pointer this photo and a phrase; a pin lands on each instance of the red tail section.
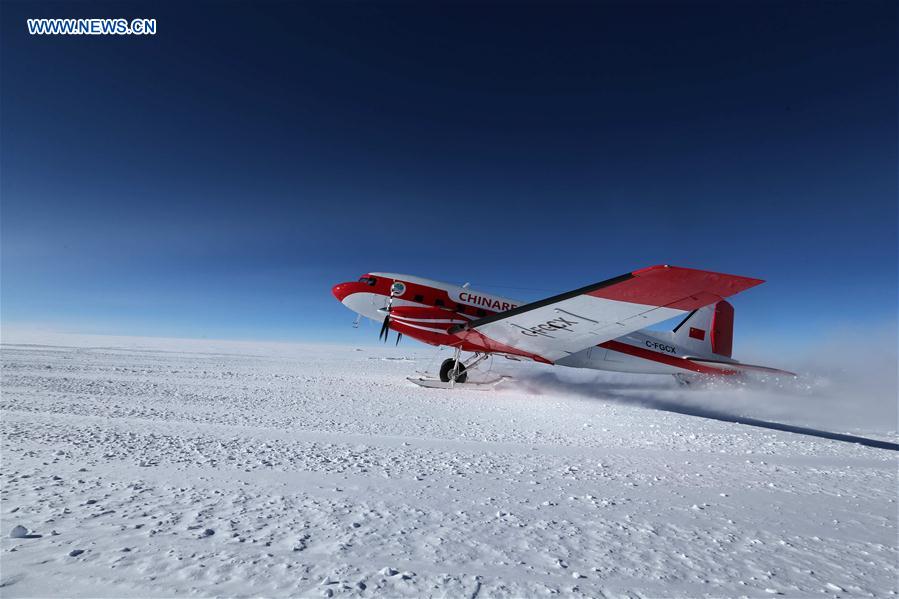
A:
(723, 329)
(708, 330)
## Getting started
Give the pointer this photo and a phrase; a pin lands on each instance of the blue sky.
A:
(215, 180)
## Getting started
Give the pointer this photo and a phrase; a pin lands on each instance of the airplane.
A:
(602, 326)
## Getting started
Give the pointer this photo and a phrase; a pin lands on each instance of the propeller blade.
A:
(385, 328)
(398, 337)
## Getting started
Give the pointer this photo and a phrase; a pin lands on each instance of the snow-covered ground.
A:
(148, 467)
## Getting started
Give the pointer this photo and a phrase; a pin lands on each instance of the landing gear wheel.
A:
(446, 371)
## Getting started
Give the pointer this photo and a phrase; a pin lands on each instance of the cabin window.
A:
(460, 308)
(438, 302)
(481, 313)
(419, 298)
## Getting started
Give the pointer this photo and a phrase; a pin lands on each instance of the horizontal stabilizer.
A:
(735, 367)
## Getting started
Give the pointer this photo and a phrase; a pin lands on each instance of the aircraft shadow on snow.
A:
(612, 391)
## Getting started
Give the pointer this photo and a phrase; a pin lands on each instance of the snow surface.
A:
(152, 467)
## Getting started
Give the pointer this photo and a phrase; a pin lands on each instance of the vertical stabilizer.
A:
(707, 331)
(723, 329)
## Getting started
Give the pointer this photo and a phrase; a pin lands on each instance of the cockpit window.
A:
(368, 280)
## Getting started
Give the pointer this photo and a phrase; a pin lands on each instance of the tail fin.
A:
(708, 330)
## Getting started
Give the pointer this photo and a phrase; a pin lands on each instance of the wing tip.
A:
(749, 281)
(643, 271)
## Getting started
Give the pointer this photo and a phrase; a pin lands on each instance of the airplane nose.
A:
(341, 290)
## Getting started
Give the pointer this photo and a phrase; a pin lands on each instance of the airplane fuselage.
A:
(426, 310)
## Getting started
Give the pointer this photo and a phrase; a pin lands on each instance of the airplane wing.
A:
(550, 329)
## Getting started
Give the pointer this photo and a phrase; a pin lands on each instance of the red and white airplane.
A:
(601, 326)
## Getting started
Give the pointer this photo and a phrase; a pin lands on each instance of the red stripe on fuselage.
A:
(430, 296)
(685, 363)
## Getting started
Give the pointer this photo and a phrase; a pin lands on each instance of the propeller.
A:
(385, 327)
(395, 290)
